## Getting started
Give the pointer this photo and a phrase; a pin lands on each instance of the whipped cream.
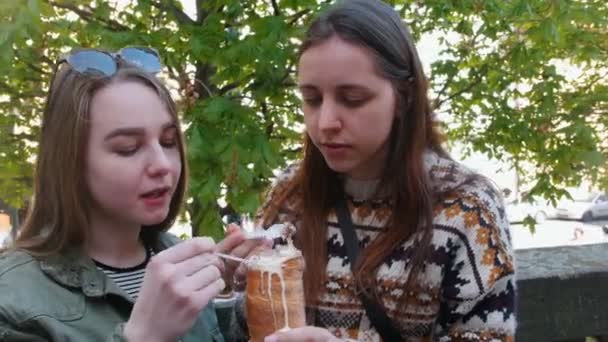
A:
(271, 263)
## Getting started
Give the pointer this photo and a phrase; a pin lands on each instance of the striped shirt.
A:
(127, 279)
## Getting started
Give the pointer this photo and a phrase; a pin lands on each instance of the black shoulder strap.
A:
(375, 312)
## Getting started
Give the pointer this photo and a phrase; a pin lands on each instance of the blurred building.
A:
(9, 219)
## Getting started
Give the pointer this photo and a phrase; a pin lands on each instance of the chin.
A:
(339, 167)
(151, 220)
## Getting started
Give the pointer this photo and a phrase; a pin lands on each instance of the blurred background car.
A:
(585, 207)
(537, 209)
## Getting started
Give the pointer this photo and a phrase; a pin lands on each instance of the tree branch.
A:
(275, 7)
(179, 15)
(440, 103)
(202, 85)
(47, 60)
(442, 91)
(228, 87)
(37, 69)
(472, 42)
(297, 16)
(295, 150)
(201, 15)
(88, 16)
(594, 81)
(19, 137)
(15, 93)
(269, 124)
(33, 67)
(289, 84)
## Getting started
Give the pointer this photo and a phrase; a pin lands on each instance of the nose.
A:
(159, 163)
(329, 118)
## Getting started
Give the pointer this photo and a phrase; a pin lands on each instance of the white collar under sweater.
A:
(445, 174)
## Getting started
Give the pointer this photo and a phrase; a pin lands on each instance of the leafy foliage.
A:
(500, 83)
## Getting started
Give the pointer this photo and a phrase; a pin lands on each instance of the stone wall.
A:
(562, 293)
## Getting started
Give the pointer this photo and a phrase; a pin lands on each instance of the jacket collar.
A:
(73, 268)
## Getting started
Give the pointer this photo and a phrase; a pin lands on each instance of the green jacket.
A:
(66, 298)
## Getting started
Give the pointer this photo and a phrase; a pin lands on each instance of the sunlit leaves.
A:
(523, 81)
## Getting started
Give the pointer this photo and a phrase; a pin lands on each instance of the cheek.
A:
(310, 124)
(387, 114)
(375, 123)
(308, 118)
(176, 162)
(106, 175)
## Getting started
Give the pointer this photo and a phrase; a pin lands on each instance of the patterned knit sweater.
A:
(466, 289)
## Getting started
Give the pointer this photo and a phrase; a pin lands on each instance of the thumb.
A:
(232, 228)
(271, 338)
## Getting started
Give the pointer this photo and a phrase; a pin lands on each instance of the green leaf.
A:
(593, 158)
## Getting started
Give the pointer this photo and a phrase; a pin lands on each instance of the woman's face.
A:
(133, 159)
(348, 107)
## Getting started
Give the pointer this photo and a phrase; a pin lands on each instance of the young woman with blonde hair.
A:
(93, 261)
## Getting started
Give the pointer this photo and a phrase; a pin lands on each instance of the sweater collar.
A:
(444, 174)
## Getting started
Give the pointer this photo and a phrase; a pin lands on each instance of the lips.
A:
(335, 145)
(335, 149)
(156, 193)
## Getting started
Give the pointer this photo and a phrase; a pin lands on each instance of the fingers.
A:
(232, 228)
(302, 334)
(203, 296)
(203, 278)
(244, 250)
(185, 250)
(234, 239)
(197, 263)
(190, 302)
(239, 278)
(284, 336)
(249, 247)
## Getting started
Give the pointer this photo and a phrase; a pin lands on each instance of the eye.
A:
(169, 138)
(313, 101)
(311, 96)
(126, 152)
(169, 143)
(354, 103)
(354, 100)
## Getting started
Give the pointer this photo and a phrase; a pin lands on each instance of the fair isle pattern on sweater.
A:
(466, 289)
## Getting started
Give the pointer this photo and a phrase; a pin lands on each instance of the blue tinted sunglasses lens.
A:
(146, 59)
(92, 62)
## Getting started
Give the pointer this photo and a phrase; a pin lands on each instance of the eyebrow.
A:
(307, 87)
(346, 87)
(135, 131)
(341, 87)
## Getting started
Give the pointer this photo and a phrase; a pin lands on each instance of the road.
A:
(553, 233)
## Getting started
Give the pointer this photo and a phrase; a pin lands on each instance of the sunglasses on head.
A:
(98, 62)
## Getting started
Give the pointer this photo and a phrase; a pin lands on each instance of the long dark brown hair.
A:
(58, 215)
(379, 29)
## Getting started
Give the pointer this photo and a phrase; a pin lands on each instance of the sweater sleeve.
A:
(478, 289)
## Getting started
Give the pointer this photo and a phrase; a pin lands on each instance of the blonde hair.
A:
(58, 215)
